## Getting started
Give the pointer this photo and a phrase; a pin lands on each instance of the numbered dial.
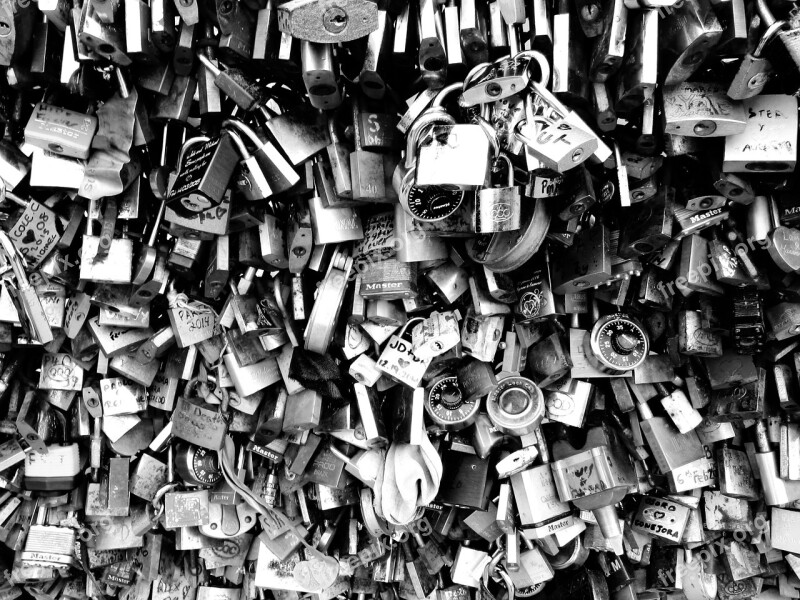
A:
(515, 406)
(617, 343)
(432, 203)
(448, 407)
(197, 466)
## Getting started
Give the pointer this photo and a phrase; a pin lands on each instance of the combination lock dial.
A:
(431, 203)
(616, 343)
(448, 407)
(196, 465)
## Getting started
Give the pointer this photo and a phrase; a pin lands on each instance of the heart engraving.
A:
(785, 248)
(317, 574)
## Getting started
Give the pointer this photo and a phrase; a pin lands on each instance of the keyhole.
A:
(590, 12)
(335, 20)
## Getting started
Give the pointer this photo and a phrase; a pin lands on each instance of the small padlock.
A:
(214, 160)
(498, 208)
(398, 361)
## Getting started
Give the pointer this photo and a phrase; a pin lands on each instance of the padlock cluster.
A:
(429, 300)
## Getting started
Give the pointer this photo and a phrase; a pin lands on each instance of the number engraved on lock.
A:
(35, 233)
(195, 320)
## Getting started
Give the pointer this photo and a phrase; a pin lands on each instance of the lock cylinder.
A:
(516, 405)
(595, 477)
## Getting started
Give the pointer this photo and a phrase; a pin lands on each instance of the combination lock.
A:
(448, 407)
(616, 343)
(196, 465)
(516, 405)
(432, 203)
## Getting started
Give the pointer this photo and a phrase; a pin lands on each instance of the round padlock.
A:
(516, 405)
(448, 406)
(197, 466)
(616, 343)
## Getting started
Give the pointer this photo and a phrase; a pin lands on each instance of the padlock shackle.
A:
(6, 194)
(509, 583)
(246, 130)
(426, 120)
(241, 147)
(549, 98)
(490, 133)
(476, 72)
(16, 260)
(522, 122)
(439, 99)
(493, 564)
(403, 329)
(215, 70)
(773, 29)
(502, 156)
(541, 61)
(124, 88)
(288, 322)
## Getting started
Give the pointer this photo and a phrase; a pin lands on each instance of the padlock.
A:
(398, 361)
(498, 209)
(328, 24)
(687, 111)
(216, 160)
(36, 232)
(320, 74)
(198, 423)
(454, 157)
(755, 70)
(575, 479)
(61, 131)
(279, 173)
(639, 72)
(557, 144)
(46, 545)
(506, 77)
(370, 81)
(26, 301)
(766, 144)
(114, 265)
(472, 32)
(251, 180)
(609, 48)
(685, 48)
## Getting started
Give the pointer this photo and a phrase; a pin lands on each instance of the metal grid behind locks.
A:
(480, 298)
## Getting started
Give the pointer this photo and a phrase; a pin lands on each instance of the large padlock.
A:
(198, 422)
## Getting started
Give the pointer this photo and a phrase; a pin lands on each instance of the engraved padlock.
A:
(498, 208)
(398, 361)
